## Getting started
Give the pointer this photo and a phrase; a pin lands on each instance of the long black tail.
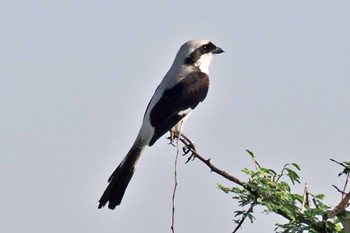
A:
(119, 180)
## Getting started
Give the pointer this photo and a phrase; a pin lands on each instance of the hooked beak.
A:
(217, 50)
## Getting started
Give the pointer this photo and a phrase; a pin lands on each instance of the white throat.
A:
(203, 62)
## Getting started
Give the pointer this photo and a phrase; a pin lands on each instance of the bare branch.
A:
(340, 207)
(190, 148)
(189, 144)
(338, 189)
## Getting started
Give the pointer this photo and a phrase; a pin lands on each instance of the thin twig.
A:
(339, 163)
(174, 191)
(213, 168)
(305, 198)
(346, 184)
(256, 164)
(346, 179)
(279, 176)
(245, 216)
(338, 189)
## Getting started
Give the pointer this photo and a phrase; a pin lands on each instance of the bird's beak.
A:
(217, 50)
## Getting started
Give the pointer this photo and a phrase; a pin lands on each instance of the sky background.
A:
(76, 77)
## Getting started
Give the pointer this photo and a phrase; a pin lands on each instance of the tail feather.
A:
(120, 178)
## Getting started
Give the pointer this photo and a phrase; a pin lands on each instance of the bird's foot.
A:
(189, 148)
(172, 137)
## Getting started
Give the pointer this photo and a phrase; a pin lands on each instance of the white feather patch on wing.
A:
(184, 112)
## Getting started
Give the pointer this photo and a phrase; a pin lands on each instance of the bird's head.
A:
(198, 53)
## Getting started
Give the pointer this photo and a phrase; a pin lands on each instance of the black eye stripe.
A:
(208, 47)
(197, 53)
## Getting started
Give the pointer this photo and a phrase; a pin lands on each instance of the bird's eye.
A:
(205, 47)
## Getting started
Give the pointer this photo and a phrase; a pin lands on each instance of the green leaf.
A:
(296, 166)
(236, 190)
(320, 196)
(250, 153)
(284, 186)
(269, 171)
(247, 171)
(223, 188)
(251, 217)
(294, 177)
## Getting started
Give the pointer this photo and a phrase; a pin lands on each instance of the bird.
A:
(183, 87)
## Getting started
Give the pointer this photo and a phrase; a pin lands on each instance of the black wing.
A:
(188, 93)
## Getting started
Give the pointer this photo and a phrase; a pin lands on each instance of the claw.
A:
(189, 145)
(172, 137)
(186, 150)
(189, 148)
(191, 158)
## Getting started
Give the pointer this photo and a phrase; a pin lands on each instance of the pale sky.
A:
(76, 77)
